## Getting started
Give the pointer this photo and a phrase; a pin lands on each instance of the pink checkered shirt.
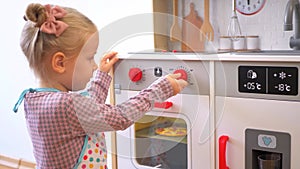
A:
(58, 122)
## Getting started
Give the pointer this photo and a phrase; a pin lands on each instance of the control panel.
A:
(138, 74)
(135, 74)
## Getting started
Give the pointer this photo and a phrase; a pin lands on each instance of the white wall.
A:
(268, 23)
(16, 76)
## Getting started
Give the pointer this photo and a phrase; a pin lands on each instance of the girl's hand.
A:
(177, 84)
(108, 61)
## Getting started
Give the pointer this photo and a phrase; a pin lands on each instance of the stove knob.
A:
(183, 73)
(135, 74)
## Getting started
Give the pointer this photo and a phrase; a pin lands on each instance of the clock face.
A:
(249, 7)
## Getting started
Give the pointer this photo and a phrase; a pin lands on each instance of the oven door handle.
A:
(222, 152)
(163, 105)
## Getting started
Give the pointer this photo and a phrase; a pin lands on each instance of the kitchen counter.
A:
(206, 56)
(258, 57)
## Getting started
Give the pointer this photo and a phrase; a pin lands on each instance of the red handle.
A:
(163, 105)
(222, 152)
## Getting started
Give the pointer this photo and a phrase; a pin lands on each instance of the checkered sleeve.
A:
(98, 86)
(96, 117)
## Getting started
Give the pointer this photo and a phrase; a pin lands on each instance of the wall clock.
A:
(249, 7)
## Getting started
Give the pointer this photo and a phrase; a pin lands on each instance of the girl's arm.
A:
(97, 117)
(98, 86)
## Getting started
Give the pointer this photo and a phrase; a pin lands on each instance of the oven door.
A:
(161, 141)
(174, 138)
(158, 140)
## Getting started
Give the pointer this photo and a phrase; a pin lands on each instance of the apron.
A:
(94, 152)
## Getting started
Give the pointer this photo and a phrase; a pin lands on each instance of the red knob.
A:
(135, 74)
(183, 73)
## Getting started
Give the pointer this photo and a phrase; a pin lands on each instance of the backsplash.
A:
(267, 24)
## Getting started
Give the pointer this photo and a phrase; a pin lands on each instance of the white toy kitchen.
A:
(241, 105)
(237, 109)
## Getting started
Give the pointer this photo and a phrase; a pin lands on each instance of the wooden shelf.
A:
(160, 22)
(13, 163)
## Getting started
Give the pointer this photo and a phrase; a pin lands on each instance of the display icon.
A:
(251, 74)
(158, 71)
(267, 141)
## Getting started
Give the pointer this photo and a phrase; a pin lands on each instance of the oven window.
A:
(161, 142)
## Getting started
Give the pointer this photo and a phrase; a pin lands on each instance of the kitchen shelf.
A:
(144, 133)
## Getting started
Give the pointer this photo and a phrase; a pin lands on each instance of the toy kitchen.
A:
(241, 107)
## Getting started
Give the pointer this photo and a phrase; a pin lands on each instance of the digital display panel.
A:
(252, 79)
(283, 80)
(268, 80)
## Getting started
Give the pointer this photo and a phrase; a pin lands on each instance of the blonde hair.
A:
(38, 46)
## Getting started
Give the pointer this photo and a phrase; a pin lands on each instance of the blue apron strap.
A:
(85, 93)
(21, 98)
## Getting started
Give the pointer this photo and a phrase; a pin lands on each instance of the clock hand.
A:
(248, 2)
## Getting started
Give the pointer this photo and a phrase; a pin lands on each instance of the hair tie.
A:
(51, 25)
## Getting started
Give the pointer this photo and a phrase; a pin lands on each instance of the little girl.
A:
(66, 127)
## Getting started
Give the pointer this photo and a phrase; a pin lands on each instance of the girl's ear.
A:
(58, 62)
